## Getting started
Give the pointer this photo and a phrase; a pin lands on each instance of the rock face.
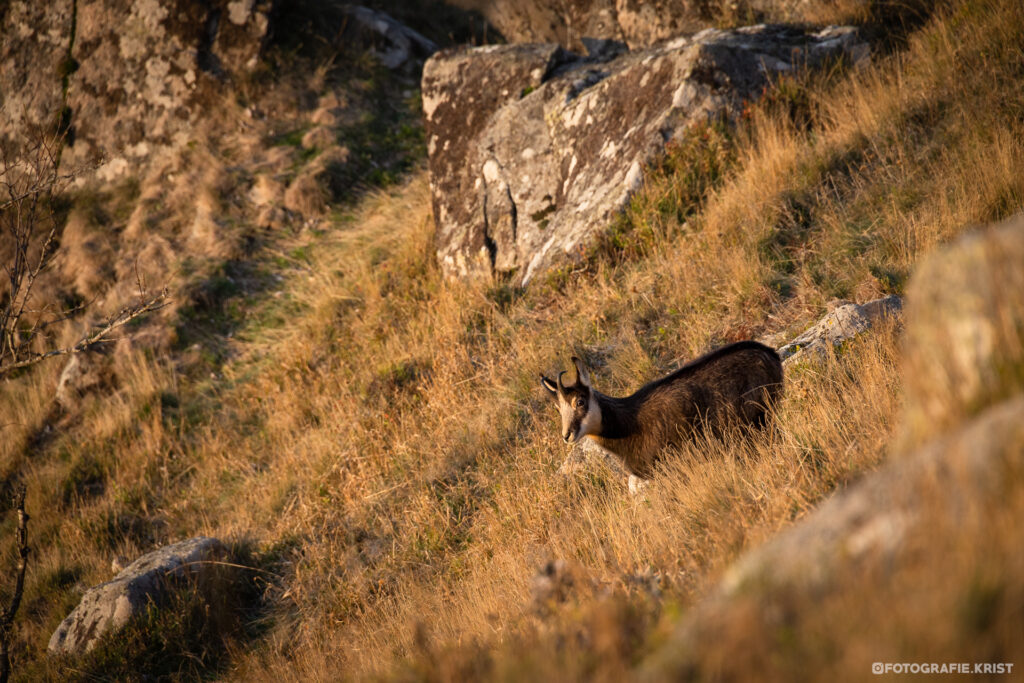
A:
(884, 527)
(533, 149)
(35, 42)
(136, 72)
(109, 606)
(842, 323)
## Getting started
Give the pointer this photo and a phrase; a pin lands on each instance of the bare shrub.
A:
(31, 185)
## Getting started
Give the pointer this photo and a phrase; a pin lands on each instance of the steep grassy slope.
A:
(377, 446)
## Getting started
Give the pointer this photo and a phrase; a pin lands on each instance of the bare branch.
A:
(30, 181)
(7, 618)
(98, 336)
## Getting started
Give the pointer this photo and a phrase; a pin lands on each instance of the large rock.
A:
(109, 606)
(877, 514)
(34, 45)
(138, 74)
(532, 149)
(965, 322)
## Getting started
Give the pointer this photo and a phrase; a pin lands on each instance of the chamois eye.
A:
(580, 403)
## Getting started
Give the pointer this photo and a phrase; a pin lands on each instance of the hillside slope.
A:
(373, 441)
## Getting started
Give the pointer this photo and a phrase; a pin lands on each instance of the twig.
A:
(123, 317)
(7, 619)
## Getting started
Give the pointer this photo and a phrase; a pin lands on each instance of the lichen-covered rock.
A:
(533, 149)
(965, 323)
(35, 43)
(964, 379)
(109, 606)
(137, 73)
(842, 323)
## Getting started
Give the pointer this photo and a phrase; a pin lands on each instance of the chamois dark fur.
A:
(736, 384)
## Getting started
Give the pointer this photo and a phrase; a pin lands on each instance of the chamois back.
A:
(736, 384)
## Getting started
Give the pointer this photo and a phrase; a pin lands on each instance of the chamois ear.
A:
(549, 385)
(582, 376)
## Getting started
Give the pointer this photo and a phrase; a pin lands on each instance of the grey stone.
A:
(401, 45)
(874, 526)
(532, 149)
(876, 514)
(842, 323)
(109, 606)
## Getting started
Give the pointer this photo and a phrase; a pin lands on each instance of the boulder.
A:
(875, 516)
(965, 322)
(33, 50)
(842, 323)
(533, 149)
(109, 606)
(919, 531)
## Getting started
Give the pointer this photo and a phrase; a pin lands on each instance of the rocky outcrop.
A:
(109, 606)
(841, 324)
(851, 549)
(875, 516)
(965, 322)
(36, 37)
(533, 149)
(126, 77)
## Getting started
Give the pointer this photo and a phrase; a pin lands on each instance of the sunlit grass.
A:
(379, 436)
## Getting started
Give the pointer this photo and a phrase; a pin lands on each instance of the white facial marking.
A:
(592, 421)
(566, 410)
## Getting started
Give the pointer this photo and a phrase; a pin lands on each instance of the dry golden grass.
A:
(377, 437)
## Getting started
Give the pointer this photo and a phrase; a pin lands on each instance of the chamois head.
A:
(581, 414)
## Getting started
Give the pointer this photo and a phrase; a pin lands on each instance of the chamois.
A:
(734, 384)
